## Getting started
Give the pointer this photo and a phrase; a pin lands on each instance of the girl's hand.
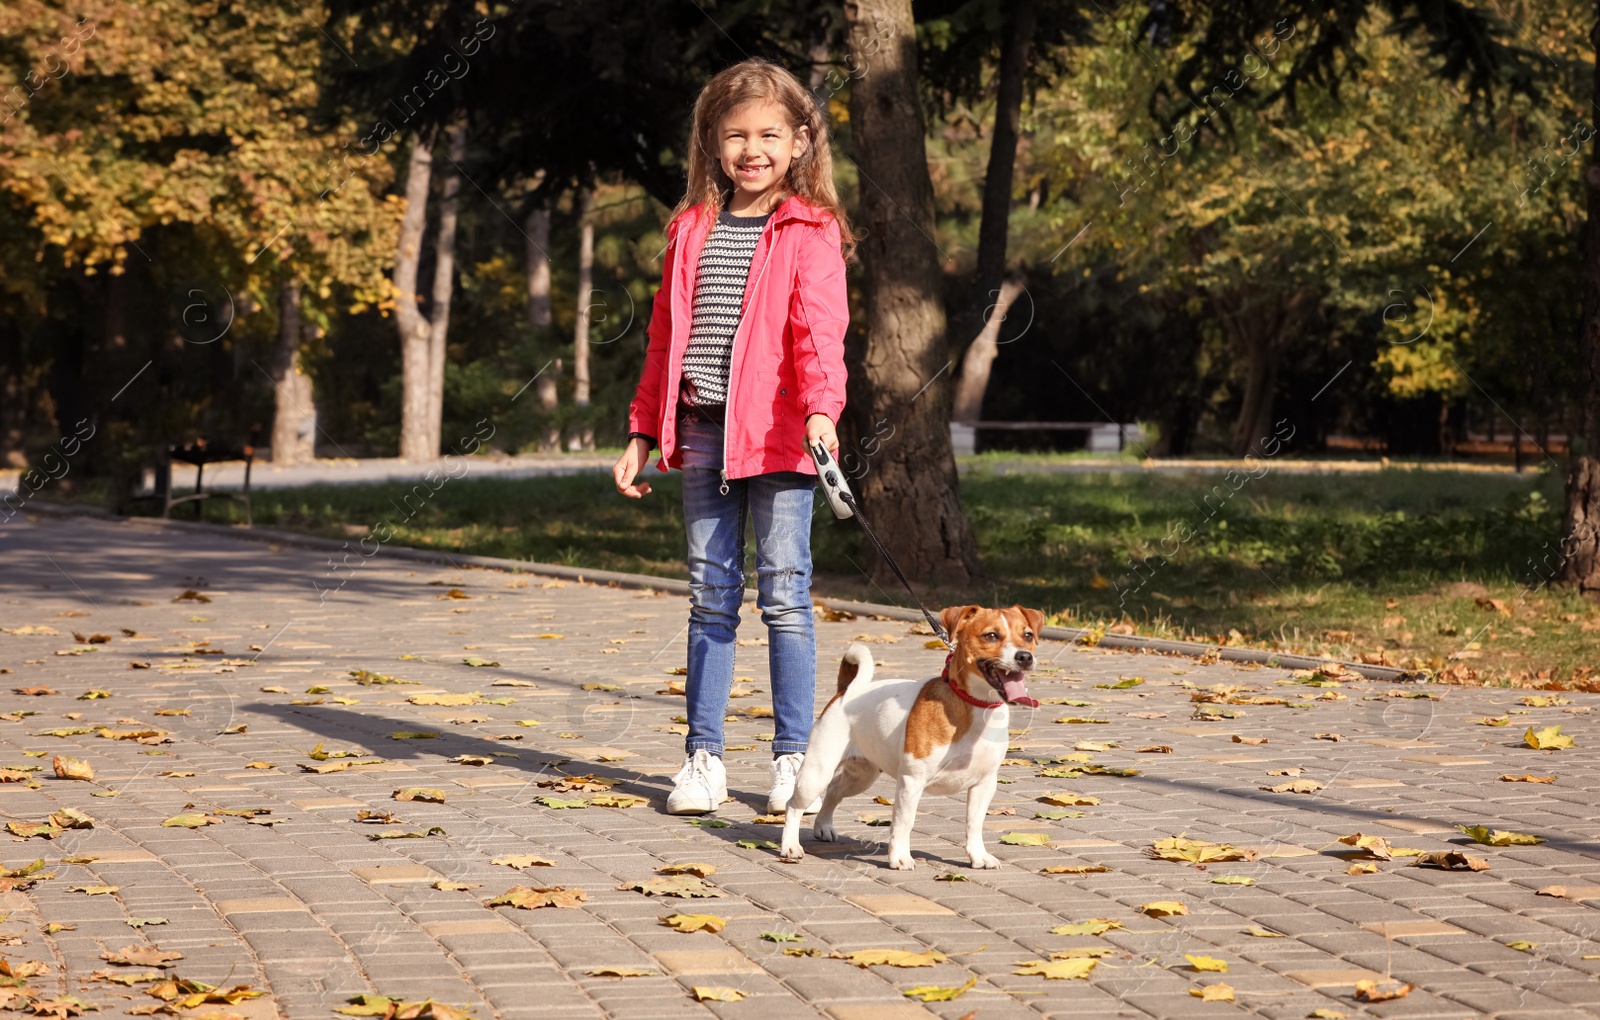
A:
(628, 466)
(820, 427)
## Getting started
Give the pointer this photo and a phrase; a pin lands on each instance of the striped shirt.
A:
(718, 303)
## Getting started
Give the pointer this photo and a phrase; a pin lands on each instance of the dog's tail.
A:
(855, 667)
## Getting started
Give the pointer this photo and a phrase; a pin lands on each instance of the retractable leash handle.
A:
(833, 484)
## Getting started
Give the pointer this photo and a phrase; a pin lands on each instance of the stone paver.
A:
(248, 679)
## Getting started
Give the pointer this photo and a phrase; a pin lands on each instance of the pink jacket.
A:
(788, 352)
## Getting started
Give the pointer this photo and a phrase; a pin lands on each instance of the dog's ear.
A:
(953, 615)
(1034, 617)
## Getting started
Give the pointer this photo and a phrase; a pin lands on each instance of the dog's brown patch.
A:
(938, 719)
(849, 669)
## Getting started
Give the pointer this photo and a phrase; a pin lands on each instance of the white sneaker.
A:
(700, 786)
(785, 768)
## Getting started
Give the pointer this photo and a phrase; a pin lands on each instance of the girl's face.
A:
(756, 146)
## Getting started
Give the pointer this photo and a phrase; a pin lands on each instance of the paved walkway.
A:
(311, 910)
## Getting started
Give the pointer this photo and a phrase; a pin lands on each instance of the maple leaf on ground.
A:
(72, 768)
(935, 993)
(696, 868)
(368, 1004)
(1163, 908)
(892, 958)
(716, 993)
(432, 830)
(563, 803)
(1370, 991)
(533, 897)
(685, 886)
(1547, 739)
(1198, 851)
(618, 800)
(141, 956)
(1094, 926)
(1499, 837)
(1082, 953)
(694, 922)
(1374, 846)
(191, 820)
(1218, 992)
(520, 861)
(1068, 799)
(1451, 860)
(1295, 786)
(1057, 970)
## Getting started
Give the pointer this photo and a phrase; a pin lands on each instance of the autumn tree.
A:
(992, 52)
(225, 165)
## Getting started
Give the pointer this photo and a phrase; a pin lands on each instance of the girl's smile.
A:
(757, 144)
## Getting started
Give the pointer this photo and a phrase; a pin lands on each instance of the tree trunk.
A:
(1580, 535)
(537, 227)
(1256, 323)
(547, 387)
(910, 490)
(582, 437)
(444, 280)
(1255, 411)
(294, 416)
(415, 333)
(823, 81)
(994, 226)
(13, 398)
(979, 359)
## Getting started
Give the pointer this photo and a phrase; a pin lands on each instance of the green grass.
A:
(1375, 565)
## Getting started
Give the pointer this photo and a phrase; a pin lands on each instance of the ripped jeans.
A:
(779, 505)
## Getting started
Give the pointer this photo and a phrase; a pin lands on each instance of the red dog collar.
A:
(969, 699)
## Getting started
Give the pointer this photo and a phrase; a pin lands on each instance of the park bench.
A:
(199, 453)
(1103, 437)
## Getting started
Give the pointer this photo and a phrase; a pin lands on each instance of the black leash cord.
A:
(855, 511)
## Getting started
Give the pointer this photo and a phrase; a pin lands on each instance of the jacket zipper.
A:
(672, 341)
(727, 416)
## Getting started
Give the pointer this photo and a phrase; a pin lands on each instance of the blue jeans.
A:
(780, 506)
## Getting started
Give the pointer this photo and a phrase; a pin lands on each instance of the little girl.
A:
(745, 370)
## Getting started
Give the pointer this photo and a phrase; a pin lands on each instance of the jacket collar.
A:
(792, 208)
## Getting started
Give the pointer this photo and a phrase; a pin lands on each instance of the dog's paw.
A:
(823, 831)
(902, 862)
(792, 851)
(985, 860)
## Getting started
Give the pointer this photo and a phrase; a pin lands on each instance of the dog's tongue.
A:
(1015, 690)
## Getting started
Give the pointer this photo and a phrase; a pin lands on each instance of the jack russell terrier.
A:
(939, 736)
